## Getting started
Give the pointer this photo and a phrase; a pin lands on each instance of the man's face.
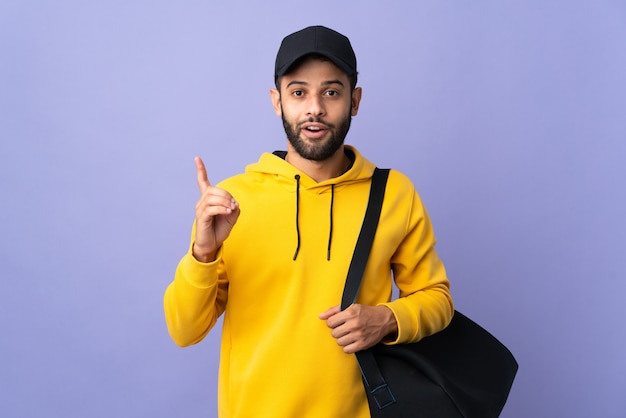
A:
(316, 105)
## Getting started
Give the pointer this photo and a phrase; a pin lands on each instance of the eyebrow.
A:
(325, 83)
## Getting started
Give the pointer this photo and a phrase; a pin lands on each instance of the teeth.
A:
(314, 128)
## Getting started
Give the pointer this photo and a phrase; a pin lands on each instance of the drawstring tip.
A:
(297, 178)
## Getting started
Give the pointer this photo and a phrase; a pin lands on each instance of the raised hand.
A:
(216, 214)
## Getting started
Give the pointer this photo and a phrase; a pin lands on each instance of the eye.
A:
(298, 93)
(331, 93)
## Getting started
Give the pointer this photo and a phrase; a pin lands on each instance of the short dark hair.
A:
(277, 79)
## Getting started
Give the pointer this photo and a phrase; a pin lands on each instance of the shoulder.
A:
(239, 183)
(399, 178)
(401, 193)
(400, 183)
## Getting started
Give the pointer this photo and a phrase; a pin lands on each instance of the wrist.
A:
(391, 326)
(203, 255)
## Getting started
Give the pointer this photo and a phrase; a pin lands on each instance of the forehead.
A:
(315, 69)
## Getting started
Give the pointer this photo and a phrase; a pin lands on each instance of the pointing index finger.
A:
(203, 179)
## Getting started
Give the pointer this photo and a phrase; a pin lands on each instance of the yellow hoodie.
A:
(284, 263)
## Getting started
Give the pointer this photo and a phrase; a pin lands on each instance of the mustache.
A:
(316, 120)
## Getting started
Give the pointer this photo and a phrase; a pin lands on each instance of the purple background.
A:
(508, 116)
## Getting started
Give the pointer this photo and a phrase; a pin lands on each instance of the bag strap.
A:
(366, 237)
(374, 381)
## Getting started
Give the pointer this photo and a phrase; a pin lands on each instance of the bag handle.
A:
(374, 381)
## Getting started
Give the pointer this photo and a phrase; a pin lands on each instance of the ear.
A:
(356, 100)
(275, 97)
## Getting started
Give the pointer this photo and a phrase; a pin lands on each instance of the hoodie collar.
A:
(275, 164)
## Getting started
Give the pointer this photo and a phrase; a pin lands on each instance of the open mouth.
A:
(314, 129)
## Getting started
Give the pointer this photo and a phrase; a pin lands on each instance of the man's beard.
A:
(317, 150)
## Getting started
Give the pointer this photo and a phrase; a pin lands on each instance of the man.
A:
(270, 249)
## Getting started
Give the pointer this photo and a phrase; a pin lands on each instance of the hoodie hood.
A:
(273, 164)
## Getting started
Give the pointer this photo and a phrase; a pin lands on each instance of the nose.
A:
(315, 106)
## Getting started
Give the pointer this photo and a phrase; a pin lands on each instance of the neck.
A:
(320, 171)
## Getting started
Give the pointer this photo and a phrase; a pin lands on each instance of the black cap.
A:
(315, 40)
